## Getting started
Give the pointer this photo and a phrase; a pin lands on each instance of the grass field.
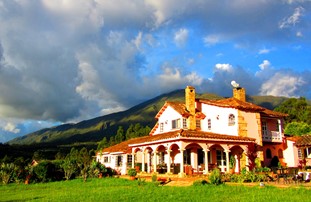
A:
(114, 189)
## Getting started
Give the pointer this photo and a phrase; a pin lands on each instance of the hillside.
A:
(94, 130)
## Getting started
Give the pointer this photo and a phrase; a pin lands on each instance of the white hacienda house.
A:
(200, 135)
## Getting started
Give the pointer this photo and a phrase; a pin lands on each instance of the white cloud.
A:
(211, 40)
(293, 19)
(282, 84)
(264, 51)
(223, 67)
(181, 37)
(265, 65)
(10, 127)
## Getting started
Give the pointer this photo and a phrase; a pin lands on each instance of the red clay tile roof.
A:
(125, 146)
(177, 106)
(121, 147)
(268, 112)
(304, 141)
(234, 103)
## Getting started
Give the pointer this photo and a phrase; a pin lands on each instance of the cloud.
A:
(293, 19)
(69, 60)
(211, 40)
(265, 65)
(10, 127)
(283, 84)
(223, 67)
(264, 51)
(181, 37)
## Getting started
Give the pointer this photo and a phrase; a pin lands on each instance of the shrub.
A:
(215, 177)
(141, 182)
(199, 182)
(6, 172)
(154, 177)
(132, 172)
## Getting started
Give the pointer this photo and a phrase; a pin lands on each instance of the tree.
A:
(120, 135)
(297, 128)
(130, 132)
(103, 144)
(69, 164)
(6, 172)
(84, 161)
(298, 110)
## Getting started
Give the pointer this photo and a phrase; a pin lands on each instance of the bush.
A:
(215, 177)
(132, 172)
(46, 171)
(141, 182)
(199, 182)
(154, 177)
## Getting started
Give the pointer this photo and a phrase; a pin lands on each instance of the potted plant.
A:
(132, 173)
(232, 164)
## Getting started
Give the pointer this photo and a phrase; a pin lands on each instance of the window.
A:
(268, 154)
(129, 159)
(184, 123)
(118, 161)
(280, 153)
(198, 123)
(161, 127)
(231, 120)
(175, 123)
(264, 128)
(209, 124)
(106, 159)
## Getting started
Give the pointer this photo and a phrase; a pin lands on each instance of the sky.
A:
(64, 61)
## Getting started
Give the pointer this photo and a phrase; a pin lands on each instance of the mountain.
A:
(94, 130)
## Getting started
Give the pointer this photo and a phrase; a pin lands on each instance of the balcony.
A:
(271, 136)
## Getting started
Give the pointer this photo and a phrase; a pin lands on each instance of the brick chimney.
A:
(239, 93)
(190, 106)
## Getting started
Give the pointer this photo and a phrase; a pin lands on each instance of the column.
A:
(148, 162)
(246, 162)
(237, 164)
(143, 162)
(227, 160)
(155, 161)
(194, 158)
(168, 161)
(206, 160)
(181, 172)
(133, 160)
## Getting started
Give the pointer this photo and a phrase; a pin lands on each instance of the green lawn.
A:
(114, 189)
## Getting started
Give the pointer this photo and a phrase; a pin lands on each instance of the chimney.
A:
(239, 93)
(190, 106)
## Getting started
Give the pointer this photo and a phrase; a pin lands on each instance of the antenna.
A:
(235, 84)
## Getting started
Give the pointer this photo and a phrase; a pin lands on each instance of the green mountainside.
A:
(94, 130)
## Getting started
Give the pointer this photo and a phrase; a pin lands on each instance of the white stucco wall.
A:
(166, 118)
(112, 162)
(219, 117)
(291, 154)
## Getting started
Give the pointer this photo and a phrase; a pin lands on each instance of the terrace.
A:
(272, 136)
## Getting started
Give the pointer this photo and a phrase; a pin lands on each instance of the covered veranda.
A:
(185, 152)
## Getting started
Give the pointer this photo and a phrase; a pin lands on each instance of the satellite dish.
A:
(235, 84)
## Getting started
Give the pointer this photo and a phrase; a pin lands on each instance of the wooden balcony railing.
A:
(271, 136)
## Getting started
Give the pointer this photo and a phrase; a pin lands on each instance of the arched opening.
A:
(268, 153)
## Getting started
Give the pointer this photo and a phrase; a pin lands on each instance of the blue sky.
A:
(69, 60)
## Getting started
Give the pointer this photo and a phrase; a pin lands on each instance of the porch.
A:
(190, 157)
